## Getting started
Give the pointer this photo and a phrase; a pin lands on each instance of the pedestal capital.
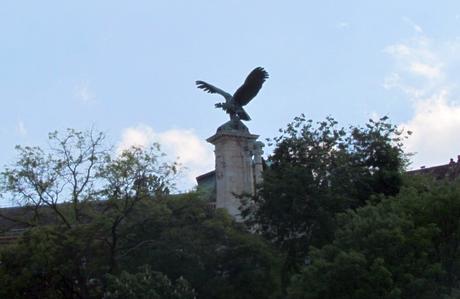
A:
(231, 135)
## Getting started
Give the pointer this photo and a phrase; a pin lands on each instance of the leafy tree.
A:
(405, 246)
(317, 171)
(181, 239)
(76, 195)
(184, 237)
(147, 284)
(356, 277)
(104, 224)
(50, 262)
(79, 169)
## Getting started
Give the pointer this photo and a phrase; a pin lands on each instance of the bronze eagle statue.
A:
(233, 105)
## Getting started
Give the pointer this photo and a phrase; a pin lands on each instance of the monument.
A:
(238, 153)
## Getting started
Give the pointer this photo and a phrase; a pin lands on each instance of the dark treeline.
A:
(336, 217)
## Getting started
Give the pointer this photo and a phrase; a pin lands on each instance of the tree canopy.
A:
(335, 217)
(104, 225)
(317, 171)
(406, 246)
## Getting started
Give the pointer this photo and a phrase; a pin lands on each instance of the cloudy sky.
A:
(128, 69)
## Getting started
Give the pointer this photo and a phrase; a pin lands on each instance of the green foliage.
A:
(50, 262)
(405, 246)
(218, 257)
(334, 202)
(76, 195)
(95, 218)
(355, 278)
(318, 171)
(147, 284)
(181, 239)
(79, 169)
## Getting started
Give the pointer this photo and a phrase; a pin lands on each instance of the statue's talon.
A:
(219, 105)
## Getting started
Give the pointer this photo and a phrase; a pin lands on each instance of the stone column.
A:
(234, 166)
(258, 167)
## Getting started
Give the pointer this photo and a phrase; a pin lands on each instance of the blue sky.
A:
(128, 69)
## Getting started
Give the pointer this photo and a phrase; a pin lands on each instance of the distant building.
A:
(450, 170)
(207, 185)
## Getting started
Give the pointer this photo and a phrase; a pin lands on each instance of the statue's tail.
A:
(242, 114)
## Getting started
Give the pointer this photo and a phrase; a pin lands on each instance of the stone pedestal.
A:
(236, 170)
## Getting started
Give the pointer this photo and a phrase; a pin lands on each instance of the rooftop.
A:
(450, 170)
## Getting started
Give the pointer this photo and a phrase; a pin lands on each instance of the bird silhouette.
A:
(233, 105)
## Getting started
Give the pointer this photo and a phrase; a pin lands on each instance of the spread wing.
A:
(251, 86)
(212, 89)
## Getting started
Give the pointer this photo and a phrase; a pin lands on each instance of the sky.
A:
(128, 68)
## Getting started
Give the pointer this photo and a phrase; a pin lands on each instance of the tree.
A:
(77, 170)
(178, 238)
(405, 246)
(67, 172)
(76, 196)
(50, 262)
(316, 172)
(104, 224)
(184, 237)
(147, 284)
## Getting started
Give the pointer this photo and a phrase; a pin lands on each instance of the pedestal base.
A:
(235, 176)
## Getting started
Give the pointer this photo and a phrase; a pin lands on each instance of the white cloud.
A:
(84, 93)
(414, 26)
(426, 71)
(193, 153)
(398, 50)
(343, 25)
(435, 124)
(416, 58)
(21, 128)
(140, 136)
